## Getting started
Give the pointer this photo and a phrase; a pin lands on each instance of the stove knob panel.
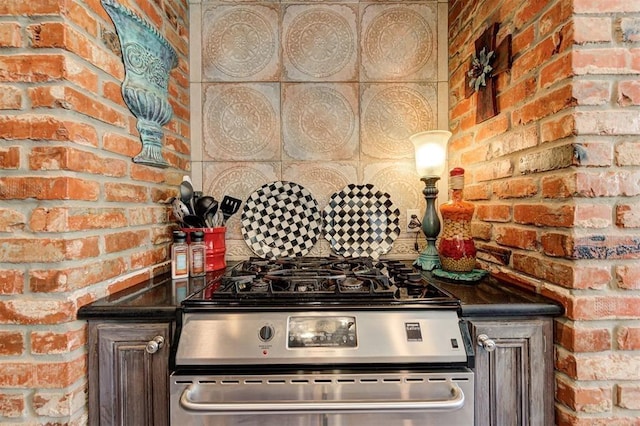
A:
(266, 333)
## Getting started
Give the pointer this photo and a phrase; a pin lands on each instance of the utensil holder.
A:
(214, 240)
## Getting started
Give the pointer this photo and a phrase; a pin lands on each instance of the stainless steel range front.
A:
(321, 341)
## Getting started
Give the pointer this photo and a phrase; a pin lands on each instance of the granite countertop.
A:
(158, 299)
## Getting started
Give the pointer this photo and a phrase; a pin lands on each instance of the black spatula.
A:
(228, 207)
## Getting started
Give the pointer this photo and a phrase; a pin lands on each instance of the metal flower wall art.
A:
(148, 59)
(480, 69)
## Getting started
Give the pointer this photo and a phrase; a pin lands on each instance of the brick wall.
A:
(78, 219)
(555, 180)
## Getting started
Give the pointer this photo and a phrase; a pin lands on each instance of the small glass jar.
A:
(179, 256)
(197, 254)
(456, 248)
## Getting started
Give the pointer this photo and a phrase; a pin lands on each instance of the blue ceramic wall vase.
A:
(148, 58)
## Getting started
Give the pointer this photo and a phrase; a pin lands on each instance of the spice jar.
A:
(456, 248)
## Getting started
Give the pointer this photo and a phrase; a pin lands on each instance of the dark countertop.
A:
(158, 298)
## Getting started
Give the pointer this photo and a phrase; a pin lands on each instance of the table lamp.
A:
(431, 153)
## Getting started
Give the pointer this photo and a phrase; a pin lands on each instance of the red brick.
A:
(630, 28)
(493, 212)
(69, 279)
(10, 97)
(125, 192)
(596, 154)
(49, 403)
(580, 338)
(122, 241)
(11, 281)
(120, 144)
(10, 157)
(544, 215)
(529, 61)
(10, 34)
(588, 29)
(11, 220)
(596, 6)
(592, 92)
(11, 343)
(628, 276)
(517, 93)
(600, 61)
(559, 273)
(556, 244)
(44, 188)
(544, 105)
(557, 127)
(559, 15)
(50, 342)
(74, 100)
(515, 188)
(627, 153)
(12, 405)
(32, 68)
(149, 258)
(595, 216)
(36, 311)
(608, 123)
(494, 170)
(35, 250)
(584, 399)
(629, 93)
(59, 374)
(602, 307)
(556, 70)
(481, 191)
(68, 158)
(628, 338)
(476, 154)
(512, 236)
(39, 127)
(628, 215)
(61, 219)
(628, 396)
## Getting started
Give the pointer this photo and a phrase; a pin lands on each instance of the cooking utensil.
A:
(210, 214)
(186, 195)
(193, 221)
(203, 204)
(180, 210)
(229, 206)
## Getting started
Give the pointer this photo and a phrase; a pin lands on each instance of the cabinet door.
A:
(514, 372)
(129, 374)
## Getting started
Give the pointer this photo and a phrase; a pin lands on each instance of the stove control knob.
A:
(486, 343)
(266, 333)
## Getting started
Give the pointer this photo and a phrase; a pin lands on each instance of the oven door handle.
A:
(323, 407)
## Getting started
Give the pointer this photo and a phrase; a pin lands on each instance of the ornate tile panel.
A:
(399, 42)
(320, 121)
(241, 122)
(390, 113)
(238, 180)
(319, 42)
(321, 178)
(240, 43)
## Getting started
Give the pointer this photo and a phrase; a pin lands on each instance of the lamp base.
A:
(428, 259)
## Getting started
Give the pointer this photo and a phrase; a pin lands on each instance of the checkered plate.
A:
(281, 219)
(361, 221)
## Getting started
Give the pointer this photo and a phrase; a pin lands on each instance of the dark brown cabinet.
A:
(128, 373)
(514, 371)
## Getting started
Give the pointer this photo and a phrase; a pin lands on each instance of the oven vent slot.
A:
(394, 380)
(414, 380)
(346, 381)
(253, 381)
(368, 380)
(322, 381)
(276, 381)
(437, 379)
(229, 382)
(460, 379)
(183, 382)
(300, 381)
(206, 382)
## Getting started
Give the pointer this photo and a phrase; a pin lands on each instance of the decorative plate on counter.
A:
(281, 219)
(361, 221)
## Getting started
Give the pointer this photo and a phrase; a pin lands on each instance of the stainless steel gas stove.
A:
(321, 341)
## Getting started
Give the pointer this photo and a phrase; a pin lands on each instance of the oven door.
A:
(405, 398)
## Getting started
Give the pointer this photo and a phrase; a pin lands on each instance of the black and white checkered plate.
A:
(361, 221)
(281, 219)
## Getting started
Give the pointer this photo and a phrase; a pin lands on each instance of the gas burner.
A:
(351, 284)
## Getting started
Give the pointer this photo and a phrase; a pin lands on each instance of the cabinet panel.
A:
(514, 372)
(128, 381)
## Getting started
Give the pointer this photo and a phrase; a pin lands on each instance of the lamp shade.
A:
(431, 151)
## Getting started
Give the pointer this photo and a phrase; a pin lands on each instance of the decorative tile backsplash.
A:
(319, 93)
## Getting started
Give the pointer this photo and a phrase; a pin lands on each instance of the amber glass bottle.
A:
(456, 248)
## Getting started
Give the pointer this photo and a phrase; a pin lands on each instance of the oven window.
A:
(322, 332)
